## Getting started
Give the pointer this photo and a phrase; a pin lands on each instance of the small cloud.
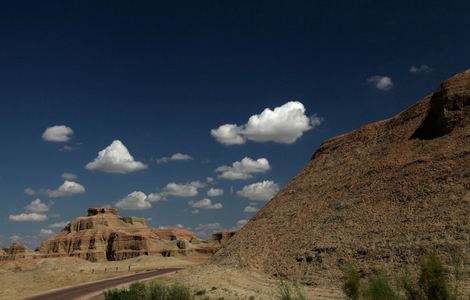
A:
(59, 133)
(16, 238)
(383, 83)
(30, 217)
(115, 159)
(174, 157)
(183, 190)
(68, 188)
(420, 69)
(264, 190)
(66, 148)
(212, 192)
(240, 224)
(228, 134)
(36, 206)
(29, 191)
(195, 211)
(206, 230)
(59, 225)
(205, 204)
(250, 209)
(68, 176)
(134, 201)
(179, 226)
(244, 169)
(154, 197)
(209, 180)
(45, 233)
(284, 124)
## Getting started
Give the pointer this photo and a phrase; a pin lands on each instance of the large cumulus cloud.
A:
(284, 124)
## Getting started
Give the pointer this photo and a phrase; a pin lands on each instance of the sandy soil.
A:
(240, 284)
(26, 277)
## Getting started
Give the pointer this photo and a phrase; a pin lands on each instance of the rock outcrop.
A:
(380, 196)
(15, 251)
(223, 236)
(104, 235)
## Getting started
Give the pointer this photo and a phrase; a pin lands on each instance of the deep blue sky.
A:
(159, 77)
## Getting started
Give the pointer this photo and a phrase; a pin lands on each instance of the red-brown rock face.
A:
(380, 196)
(104, 235)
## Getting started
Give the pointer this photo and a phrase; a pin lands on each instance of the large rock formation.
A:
(104, 235)
(380, 196)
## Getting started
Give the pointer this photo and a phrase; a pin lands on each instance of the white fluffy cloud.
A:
(59, 225)
(229, 134)
(174, 157)
(240, 224)
(264, 190)
(68, 176)
(115, 159)
(138, 201)
(29, 191)
(244, 169)
(182, 189)
(284, 124)
(28, 217)
(45, 233)
(205, 204)
(383, 83)
(68, 188)
(420, 69)
(212, 192)
(154, 197)
(36, 206)
(59, 133)
(134, 201)
(206, 230)
(250, 209)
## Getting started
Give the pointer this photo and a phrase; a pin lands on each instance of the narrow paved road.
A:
(82, 290)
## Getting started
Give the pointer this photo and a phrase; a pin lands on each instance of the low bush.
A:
(431, 283)
(286, 293)
(152, 291)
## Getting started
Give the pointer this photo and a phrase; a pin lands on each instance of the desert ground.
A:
(21, 278)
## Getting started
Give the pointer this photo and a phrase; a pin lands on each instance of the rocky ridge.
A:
(378, 197)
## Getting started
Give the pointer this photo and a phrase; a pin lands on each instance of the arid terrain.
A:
(379, 198)
(22, 278)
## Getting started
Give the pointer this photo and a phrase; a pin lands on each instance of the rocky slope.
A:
(104, 235)
(380, 196)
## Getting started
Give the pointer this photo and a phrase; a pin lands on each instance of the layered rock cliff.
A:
(377, 197)
(104, 235)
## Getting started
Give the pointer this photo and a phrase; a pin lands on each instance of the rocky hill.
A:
(104, 235)
(379, 196)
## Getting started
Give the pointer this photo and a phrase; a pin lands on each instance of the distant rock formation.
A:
(379, 196)
(223, 236)
(104, 235)
(15, 251)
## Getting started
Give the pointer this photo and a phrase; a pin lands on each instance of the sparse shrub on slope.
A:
(152, 291)
(432, 283)
(352, 284)
(286, 293)
(378, 288)
(433, 280)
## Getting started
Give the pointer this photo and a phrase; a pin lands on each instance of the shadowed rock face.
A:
(104, 235)
(380, 196)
